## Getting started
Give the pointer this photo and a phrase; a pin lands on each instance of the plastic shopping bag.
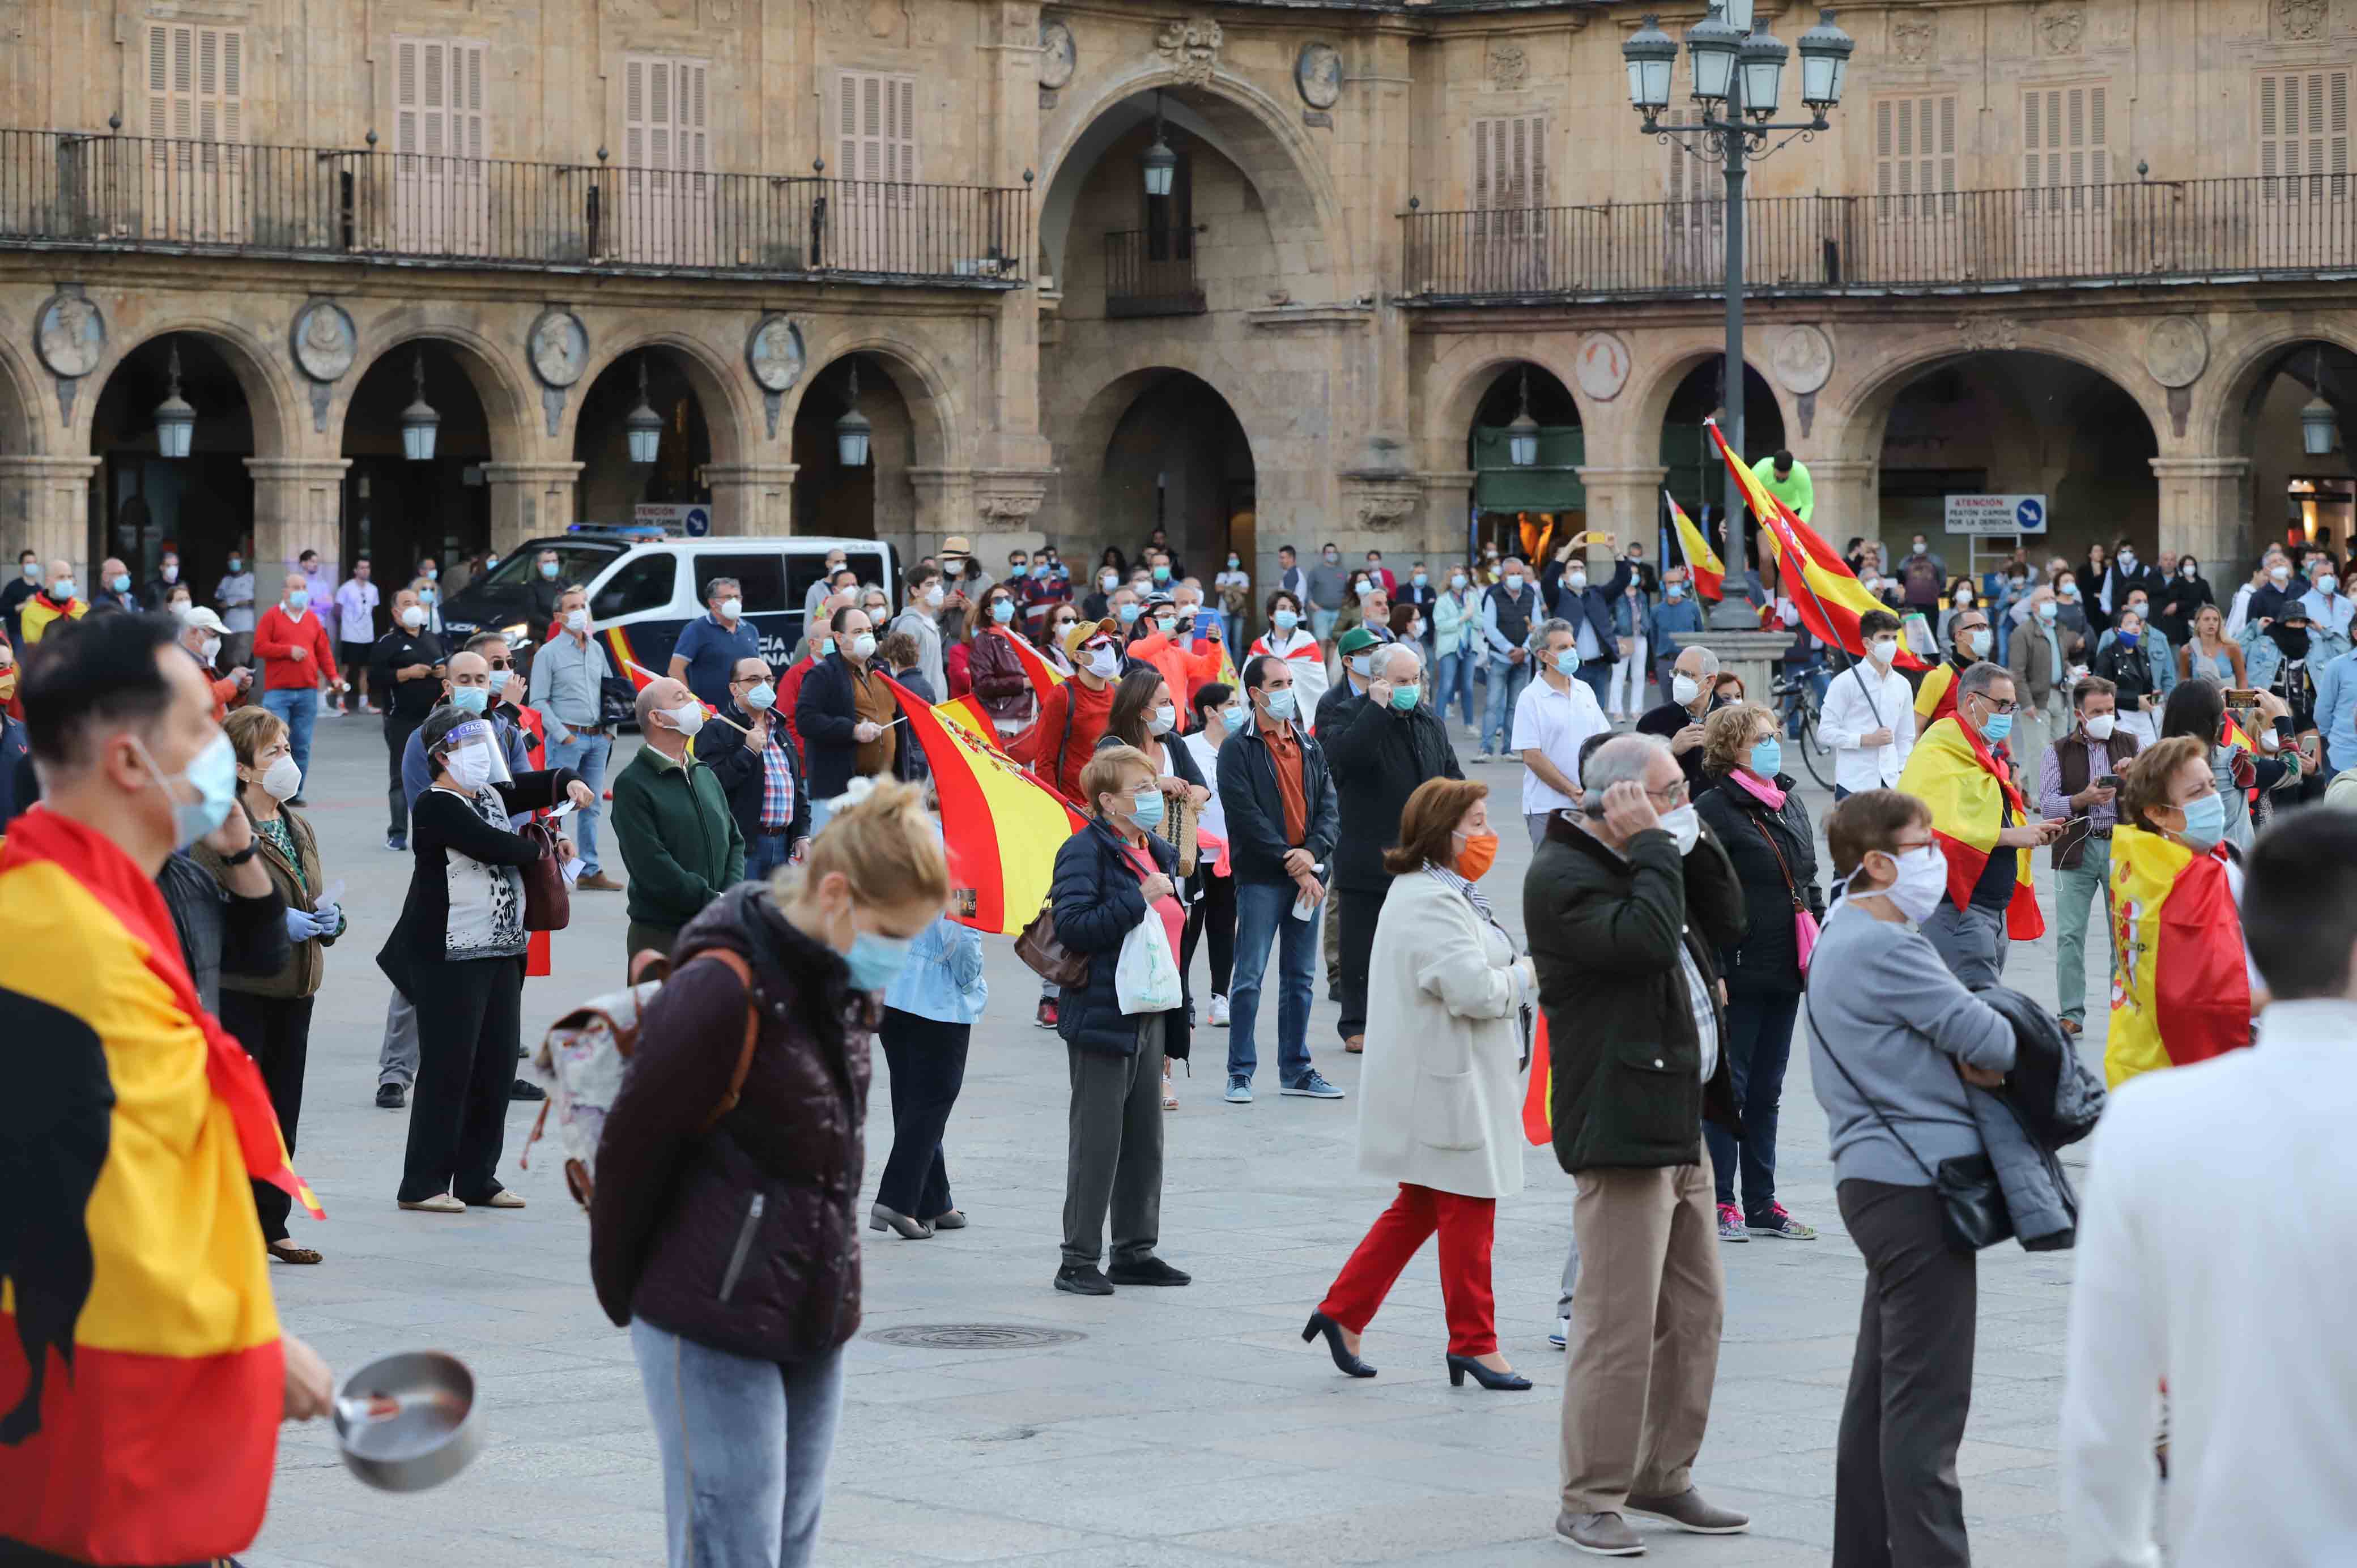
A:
(1147, 978)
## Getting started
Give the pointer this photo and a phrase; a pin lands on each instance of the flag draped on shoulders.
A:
(1936, 697)
(1710, 573)
(1956, 775)
(141, 1371)
(2180, 992)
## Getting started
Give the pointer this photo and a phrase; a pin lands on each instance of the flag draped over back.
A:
(1708, 573)
(1950, 771)
(1001, 826)
(1935, 699)
(2180, 990)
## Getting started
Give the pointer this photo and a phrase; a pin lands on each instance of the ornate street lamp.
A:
(1652, 56)
(852, 431)
(418, 421)
(1712, 44)
(2318, 425)
(1762, 61)
(1160, 164)
(1825, 65)
(643, 425)
(176, 421)
(1522, 435)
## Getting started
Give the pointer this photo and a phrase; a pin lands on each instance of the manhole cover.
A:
(975, 1336)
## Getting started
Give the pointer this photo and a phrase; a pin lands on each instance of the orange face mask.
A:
(1481, 851)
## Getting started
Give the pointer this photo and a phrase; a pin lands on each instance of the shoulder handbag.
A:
(547, 901)
(1804, 924)
(1048, 958)
(1972, 1215)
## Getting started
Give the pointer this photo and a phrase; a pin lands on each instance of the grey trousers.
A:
(1896, 1496)
(397, 1059)
(1114, 1149)
(1970, 942)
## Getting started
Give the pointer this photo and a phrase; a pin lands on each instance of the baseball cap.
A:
(1080, 631)
(1358, 640)
(199, 616)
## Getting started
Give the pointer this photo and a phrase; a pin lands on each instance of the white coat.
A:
(1440, 1092)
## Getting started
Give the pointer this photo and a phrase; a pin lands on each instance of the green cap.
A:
(1358, 640)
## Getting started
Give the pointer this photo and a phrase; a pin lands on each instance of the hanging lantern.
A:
(1522, 435)
(645, 426)
(1824, 64)
(1712, 44)
(418, 421)
(176, 421)
(2319, 428)
(852, 431)
(1160, 164)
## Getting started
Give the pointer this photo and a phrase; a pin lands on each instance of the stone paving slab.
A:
(1188, 1428)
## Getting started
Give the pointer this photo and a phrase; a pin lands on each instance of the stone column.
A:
(2205, 506)
(1751, 656)
(1849, 497)
(944, 506)
(529, 500)
(1448, 513)
(45, 508)
(752, 498)
(1625, 503)
(299, 505)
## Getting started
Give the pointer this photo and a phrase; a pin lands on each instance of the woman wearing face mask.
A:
(1353, 610)
(1219, 712)
(1755, 810)
(2126, 662)
(1233, 585)
(458, 954)
(2198, 708)
(2180, 599)
(1440, 1098)
(992, 668)
(724, 1226)
(1456, 647)
(1113, 876)
(2070, 609)
(1960, 596)
(1145, 718)
(1891, 1048)
(2182, 993)
(271, 1014)
(1287, 638)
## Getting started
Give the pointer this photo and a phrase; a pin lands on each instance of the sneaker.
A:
(1780, 1224)
(1599, 1534)
(1731, 1224)
(597, 882)
(1046, 1018)
(391, 1097)
(1239, 1091)
(1481, 757)
(1309, 1085)
(524, 1089)
(1148, 1270)
(1219, 1011)
(1689, 1512)
(1083, 1279)
(1561, 1337)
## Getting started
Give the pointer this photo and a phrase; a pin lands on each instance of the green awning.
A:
(1550, 485)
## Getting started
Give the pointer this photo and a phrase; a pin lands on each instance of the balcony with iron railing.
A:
(1151, 271)
(67, 191)
(2155, 231)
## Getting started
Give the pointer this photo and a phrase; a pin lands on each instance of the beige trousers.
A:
(1644, 1334)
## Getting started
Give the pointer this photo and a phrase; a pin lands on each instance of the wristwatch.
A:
(252, 848)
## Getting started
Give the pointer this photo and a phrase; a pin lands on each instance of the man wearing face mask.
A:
(54, 603)
(1392, 745)
(1509, 608)
(1590, 611)
(2127, 573)
(409, 664)
(1961, 770)
(297, 656)
(2096, 748)
(2041, 654)
(753, 759)
(2328, 608)
(1327, 583)
(142, 1246)
(114, 588)
(1359, 648)
(1693, 683)
(820, 589)
(709, 649)
(679, 840)
(1555, 719)
(1970, 641)
(20, 588)
(1869, 717)
(201, 634)
(567, 691)
(922, 592)
(845, 714)
(158, 594)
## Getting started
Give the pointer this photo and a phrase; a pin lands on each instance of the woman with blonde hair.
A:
(1439, 1108)
(723, 1227)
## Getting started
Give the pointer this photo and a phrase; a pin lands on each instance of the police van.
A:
(645, 586)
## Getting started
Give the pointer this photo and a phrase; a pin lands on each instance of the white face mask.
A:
(863, 648)
(1109, 581)
(2101, 725)
(1104, 663)
(413, 616)
(1575, 581)
(1922, 883)
(282, 780)
(1684, 825)
(687, 718)
(469, 767)
(1683, 691)
(933, 596)
(731, 608)
(1883, 650)
(1977, 642)
(577, 621)
(1163, 720)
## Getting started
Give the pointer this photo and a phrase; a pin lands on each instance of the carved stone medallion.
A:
(326, 342)
(1600, 366)
(69, 335)
(1190, 47)
(1802, 358)
(1510, 67)
(2059, 29)
(773, 353)
(1988, 333)
(2301, 20)
(1914, 36)
(2176, 351)
(558, 347)
(1058, 54)
(1318, 73)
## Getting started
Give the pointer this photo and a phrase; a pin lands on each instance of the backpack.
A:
(1922, 580)
(582, 1058)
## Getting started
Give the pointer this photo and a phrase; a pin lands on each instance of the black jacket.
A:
(1592, 605)
(219, 930)
(825, 716)
(406, 703)
(1378, 758)
(1256, 811)
(1097, 904)
(1337, 706)
(2174, 606)
(1605, 933)
(738, 767)
(1769, 957)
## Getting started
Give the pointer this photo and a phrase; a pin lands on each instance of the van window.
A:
(869, 564)
(644, 583)
(761, 579)
(804, 570)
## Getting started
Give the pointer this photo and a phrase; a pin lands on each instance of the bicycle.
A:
(1796, 714)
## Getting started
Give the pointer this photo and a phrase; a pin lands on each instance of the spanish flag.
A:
(1710, 573)
(1001, 826)
(1936, 697)
(1953, 773)
(40, 610)
(141, 1373)
(2180, 990)
(1538, 1101)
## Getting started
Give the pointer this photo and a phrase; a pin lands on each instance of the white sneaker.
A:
(1561, 1337)
(1219, 1011)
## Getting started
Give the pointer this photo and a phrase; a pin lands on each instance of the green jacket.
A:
(678, 841)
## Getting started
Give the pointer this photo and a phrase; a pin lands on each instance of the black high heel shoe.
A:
(1320, 1324)
(1460, 1365)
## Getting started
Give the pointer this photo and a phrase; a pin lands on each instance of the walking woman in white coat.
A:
(1439, 1101)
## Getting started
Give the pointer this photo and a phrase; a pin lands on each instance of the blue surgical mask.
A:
(1234, 716)
(2205, 821)
(1567, 662)
(548, 568)
(212, 774)
(1280, 704)
(62, 591)
(235, 564)
(471, 698)
(1999, 727)
(1001, 611)
(1677, 592)
(2128, 638)
(874, 961)
(761, 697)
(122, 584)
(1286, 620)
(1146, 808)
(298, 601)
(1126, 615)
(1162, 573)
(1768, 757)
(825, 647)
(1418, 579)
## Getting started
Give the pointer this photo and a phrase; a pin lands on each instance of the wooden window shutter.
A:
(466, 131)
(2303, 129)
(634, 116)
(694, 142)
(1915, 152)
(406, 109)
(196, 82)
(876, 126)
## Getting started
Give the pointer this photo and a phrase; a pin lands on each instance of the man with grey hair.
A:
(1553, 721)
(1509, 607)
(1628, 903)
(1381, 750)
(1963, 768)
(678, 838)
(1693, 693)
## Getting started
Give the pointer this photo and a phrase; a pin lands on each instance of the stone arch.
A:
(1246, 125)
(735, 424)
(2241, 369)
(1857, 415)
(273, 402)
(510, 409)
(1100, 420)
(22, 427)
(941, 440)
(1462, 377)
(1637, 437)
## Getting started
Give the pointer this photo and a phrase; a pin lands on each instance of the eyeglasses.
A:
(1673, 796)
(503, 664)
(1996, 708)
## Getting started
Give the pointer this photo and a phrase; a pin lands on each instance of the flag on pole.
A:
(1001, 826)
(1709, 574)
(1045, 677)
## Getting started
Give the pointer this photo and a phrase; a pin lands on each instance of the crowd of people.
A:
(1260, 777)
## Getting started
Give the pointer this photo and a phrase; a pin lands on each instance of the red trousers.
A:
(1465, 1225)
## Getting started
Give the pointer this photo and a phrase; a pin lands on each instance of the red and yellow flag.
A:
(1001, 826)
(1936, 697)
(1710, 573)
(1955, 774)
(2180, 990)
(1538, 1097)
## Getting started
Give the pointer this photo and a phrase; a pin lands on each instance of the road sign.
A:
(1996, 514)
(690, 518)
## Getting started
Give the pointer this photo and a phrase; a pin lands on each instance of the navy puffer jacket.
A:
(1097, 904)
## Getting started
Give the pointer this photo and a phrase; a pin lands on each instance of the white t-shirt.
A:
(356, 603)
(1214, 818)
(1556, 725)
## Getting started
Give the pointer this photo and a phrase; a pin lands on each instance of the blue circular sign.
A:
(2029, 515)
(699, 521)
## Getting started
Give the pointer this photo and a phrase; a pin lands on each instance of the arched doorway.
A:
(613, 485)
(399, 510)
(1695, 474)
(2302, 495)
(143, 502)
(855, 501)
(1530, 508)
(1176, 458)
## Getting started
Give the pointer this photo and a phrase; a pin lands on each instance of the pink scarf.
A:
(1758, 788)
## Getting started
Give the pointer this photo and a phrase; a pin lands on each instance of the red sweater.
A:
(277, 636)
(1036, 747)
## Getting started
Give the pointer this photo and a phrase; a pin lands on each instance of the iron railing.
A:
(1963, 241)
(106, 192)
(1151, 271)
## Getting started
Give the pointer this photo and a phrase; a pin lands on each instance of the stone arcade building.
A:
(2100, 249)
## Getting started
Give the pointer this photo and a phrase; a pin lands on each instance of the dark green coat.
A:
(678, 841)
(1605, 933)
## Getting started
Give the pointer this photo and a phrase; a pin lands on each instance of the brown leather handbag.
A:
(1049, 958)
(547, 900)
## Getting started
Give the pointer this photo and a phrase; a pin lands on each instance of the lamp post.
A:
(1160, 164)
(2318, 424)
(1738, 69)
(1522, 435)
(176, 421)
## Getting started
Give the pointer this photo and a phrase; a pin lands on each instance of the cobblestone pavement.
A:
(1186, 1427)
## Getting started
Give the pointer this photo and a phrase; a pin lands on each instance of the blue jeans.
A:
(745, 1446)
(1264, 915)
(764, 852)
(1506, 683)
(296, 709)
(1758, 1048)
(1455, 679)
(586, 754)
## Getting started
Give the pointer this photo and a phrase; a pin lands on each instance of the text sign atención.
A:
(1996, 514)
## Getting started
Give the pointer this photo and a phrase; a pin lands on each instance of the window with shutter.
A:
(2303, 130)
(876, 128)
(441, 194)
(1510, 172)
(1915, 155)
(667, 160)
(196, 110)
(2064, 151)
